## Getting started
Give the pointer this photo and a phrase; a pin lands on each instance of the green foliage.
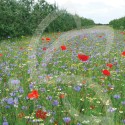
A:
(21, 17)
(118, 23)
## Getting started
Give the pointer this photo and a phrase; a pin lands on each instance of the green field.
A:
(71, 91)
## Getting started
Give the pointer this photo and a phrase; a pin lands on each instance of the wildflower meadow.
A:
(76, 82)
(59, 69)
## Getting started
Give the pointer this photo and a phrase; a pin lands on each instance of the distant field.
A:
(71, 78)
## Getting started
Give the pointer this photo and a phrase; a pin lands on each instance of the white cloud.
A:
(101, 11)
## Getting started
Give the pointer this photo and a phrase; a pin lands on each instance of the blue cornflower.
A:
(78, 123)
(21, 90)
(40, 77)
(77, 88)
(24, 107)
(66, 119)
(123, 102)
(31, 86)
(15, 82)
(5, 123)
(29, 71)
(123, 121)
(7, 107)
(10, 101)
(15, 100)
(39, 106)
(55, 103)
(44, 64)
(111, 109)
(12, 94)
(43, 90)
(49, 98)
(117, 96)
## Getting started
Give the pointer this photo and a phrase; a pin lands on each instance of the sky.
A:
(101, 11)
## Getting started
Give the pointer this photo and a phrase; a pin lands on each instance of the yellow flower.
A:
(30, 48)
(7, 89)
(74, 65)
(25, 53)
(29, 80)
(85, 39)
(28, 61)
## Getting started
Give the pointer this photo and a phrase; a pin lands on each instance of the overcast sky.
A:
(101, 11)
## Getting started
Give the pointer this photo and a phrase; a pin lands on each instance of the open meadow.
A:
(70, 78)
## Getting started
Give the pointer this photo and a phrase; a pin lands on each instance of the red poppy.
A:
(48, 77)
(54, 49)
(41, 114)
(1, 54)
(33, 94)
(96, 64)
(44, 48)
(21, 115)
(92, 107)
(109, 65)
(48, 39)
(84, 82)
(100, 36)
(42, 38)
(61, 96)
(123, 33)
(123, 53)
(106, 72)
(63, 47)
(21, 48)
(83, 57)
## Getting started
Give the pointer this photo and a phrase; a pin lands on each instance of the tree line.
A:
(118, 23)
(21, 17)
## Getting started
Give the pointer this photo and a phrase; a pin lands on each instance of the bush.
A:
(118, 23)
(21, 17)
